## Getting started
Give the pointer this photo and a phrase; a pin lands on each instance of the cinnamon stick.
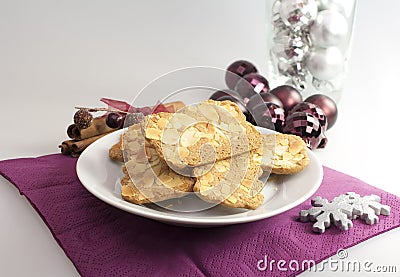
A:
(75, 147)
(98, 127)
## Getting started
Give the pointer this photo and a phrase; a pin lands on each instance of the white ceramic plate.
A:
(100, 176)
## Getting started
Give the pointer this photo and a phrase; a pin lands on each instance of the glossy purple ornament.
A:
(238, 102)
(252, 84)
(266, 114)
(327, 105)
(264, 97)
(313, 109)
(277, 116)
(236, 70)
(224, 92)
(307, 127)
(270, 98)
(269, 116)
(288, 95)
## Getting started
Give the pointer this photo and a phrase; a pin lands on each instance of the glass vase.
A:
(309, 44)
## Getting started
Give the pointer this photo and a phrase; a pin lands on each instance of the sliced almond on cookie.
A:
(209, 112)
(153, 133)
(170, 136)
(188, 137)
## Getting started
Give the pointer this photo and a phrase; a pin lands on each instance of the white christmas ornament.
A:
(329, 29)
(344, 7)
(325, 63)
(342, 209)
(298, 14)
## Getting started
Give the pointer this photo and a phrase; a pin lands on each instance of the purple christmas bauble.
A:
(272, 117)
(252, 84)
(221, 93)
(270, 98)
(327, 105)
(277, 116)
(307, 127)
(236, 70)
(265, 114)
(288, 95)
(238, 102)
(264, 97)
(314, 110)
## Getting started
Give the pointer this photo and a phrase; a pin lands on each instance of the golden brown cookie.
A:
(166, 185)
(115, 152)
(232, 182)
(201, 134)
(147, 177)
(284, 154)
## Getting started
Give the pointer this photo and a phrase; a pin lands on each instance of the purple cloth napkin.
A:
(104, 241)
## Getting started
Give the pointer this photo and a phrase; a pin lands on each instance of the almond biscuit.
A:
(232, 182)
(201, 134)
(284, 154)
(115, 152)
(147, 177)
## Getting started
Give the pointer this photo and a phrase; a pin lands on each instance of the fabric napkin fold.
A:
(102, 240)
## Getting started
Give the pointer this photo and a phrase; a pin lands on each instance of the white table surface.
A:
(55, 55)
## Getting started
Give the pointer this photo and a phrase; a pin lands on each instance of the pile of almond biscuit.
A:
(208, 149)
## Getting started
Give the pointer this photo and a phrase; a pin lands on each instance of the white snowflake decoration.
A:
(342, 209)
(367, 207)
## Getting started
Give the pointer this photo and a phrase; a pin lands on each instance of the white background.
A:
(55, 55)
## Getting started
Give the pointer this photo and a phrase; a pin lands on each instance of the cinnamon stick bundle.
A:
(82, 138)
(97, 127)
(75, 147)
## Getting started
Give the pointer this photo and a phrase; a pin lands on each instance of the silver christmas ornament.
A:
(276, 7)
(295, 71)
(290, 69)
(290, 48)
(298, 14)
(279, 27)
(329, 29)
(325, 63)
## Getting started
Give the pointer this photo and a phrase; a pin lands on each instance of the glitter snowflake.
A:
(342, 209)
